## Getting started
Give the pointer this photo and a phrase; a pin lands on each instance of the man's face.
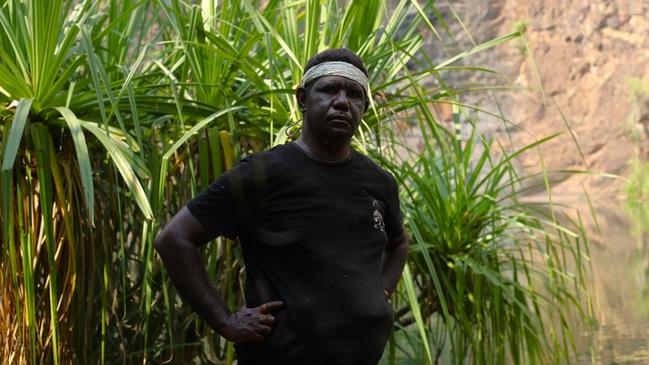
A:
(333, 107)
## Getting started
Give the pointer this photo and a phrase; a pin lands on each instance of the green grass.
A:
(637, 192)
(636, 187)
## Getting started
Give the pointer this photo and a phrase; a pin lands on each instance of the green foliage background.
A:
(114, 113)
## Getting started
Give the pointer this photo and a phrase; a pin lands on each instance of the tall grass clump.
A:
(491, 279)
(113, 114)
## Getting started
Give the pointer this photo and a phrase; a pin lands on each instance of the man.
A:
(320, 230)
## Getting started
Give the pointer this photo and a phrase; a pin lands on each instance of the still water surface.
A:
(619, 284)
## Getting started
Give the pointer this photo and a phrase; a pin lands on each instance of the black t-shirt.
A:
(313, 236)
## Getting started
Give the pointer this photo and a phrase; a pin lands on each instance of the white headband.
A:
(336, 68)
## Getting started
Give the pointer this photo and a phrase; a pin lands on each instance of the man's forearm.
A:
(394, 260)
(186, 270)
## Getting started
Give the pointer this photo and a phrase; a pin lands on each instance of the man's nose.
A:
(341, 101)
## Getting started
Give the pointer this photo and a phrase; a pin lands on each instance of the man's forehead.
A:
(338, 80)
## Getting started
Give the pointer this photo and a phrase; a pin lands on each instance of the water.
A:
(619, 284)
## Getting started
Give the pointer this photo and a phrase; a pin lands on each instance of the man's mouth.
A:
(340, 120)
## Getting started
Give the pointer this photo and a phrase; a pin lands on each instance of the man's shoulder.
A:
(265, 166)
(278, 151)
(270, 157)
(372, 167)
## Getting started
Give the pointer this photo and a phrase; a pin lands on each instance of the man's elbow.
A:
(403, 241)
(399, 243)
(164, 242)
(403, 246)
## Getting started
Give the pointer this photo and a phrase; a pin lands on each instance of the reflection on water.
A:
(620, 288)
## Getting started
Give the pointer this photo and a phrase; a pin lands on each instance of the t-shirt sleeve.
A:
(229, 204)
(394, 221)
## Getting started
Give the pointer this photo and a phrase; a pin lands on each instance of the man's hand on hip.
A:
(251, 324)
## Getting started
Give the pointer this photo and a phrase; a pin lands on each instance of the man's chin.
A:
(339, 137)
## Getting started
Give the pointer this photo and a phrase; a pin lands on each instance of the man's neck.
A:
(324, 152)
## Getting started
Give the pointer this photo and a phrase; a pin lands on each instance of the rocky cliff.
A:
(583, 68)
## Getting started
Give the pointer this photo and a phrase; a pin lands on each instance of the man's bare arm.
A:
(177, 244)
(394, 259)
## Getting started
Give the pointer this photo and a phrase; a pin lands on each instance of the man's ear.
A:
(300, 95)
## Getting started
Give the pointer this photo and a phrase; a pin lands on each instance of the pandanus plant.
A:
(64, 129)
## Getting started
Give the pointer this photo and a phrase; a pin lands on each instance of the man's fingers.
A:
(267, 319)
(270, 306)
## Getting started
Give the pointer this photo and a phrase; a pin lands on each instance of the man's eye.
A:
(327, 89)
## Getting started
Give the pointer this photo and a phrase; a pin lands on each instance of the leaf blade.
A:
(83, 157)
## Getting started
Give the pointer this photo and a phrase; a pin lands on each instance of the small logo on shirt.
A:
(378, 216)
